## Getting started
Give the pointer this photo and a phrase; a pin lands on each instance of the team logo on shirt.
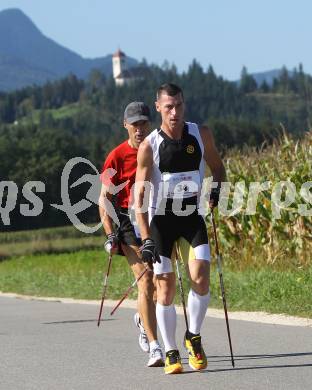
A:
(190, 149)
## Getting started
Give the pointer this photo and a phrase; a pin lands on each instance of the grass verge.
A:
(80, 275)
(47, 241)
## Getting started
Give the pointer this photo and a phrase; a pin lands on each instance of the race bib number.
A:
(181, 184)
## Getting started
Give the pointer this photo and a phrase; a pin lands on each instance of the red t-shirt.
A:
(124, 160)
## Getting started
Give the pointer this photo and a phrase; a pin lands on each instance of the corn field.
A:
(255, 240)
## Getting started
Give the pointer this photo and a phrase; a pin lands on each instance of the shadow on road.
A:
(240, 358)
(75, 321)
(260, 367)
(264, 356)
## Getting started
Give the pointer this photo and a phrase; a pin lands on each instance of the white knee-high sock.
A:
(197, 307)
(167, 321)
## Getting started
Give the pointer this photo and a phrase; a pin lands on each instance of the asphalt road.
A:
(52, 345)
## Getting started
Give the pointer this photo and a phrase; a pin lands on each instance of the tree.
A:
(284, 80)
(247, 82)
(264, 87)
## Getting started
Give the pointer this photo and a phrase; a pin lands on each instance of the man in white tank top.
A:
(171, 164)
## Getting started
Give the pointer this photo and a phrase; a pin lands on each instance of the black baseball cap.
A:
(136, 111)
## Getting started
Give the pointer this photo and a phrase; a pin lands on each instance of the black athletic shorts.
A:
(126, 231)
(170, 228)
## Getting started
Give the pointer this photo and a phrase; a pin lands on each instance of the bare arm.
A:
(105, 218)
(142, 189)
(211, 155)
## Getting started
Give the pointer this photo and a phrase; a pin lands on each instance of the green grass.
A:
(57, 245)
(80, 275)
(49, 240)
(76, 275)
(65, 111)
(57, 114)
(44, 234)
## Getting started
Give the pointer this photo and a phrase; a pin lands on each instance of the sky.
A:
(228, 34)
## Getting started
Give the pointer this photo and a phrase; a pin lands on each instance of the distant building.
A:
(119, 63)
(124, 75)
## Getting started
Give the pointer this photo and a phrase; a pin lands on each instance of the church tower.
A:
(119, 63)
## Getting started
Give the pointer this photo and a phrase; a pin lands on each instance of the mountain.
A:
(29, 57)
(16, 73)
(268, 76)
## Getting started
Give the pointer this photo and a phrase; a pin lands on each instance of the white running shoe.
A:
(156, 358)
(143, 340)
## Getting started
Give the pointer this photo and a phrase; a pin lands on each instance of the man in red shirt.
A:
(119, 171)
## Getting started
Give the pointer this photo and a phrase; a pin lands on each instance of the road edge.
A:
(261, 317)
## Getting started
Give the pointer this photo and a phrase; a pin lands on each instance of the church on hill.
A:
(122, 73)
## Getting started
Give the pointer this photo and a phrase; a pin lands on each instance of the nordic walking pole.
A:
(222, 284)
(181, 290)
(105, 286)
(128, 291)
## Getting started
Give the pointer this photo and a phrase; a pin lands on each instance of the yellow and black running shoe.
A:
(197, 356)
(173, 363)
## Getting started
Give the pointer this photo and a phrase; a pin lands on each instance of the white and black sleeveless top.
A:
(178, 168)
